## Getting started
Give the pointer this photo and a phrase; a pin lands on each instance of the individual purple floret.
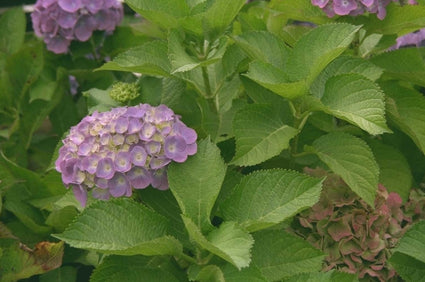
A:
(110, 153)
(416, 38)
(356, 7)
(61, 21)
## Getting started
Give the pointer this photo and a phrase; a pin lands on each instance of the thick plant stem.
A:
(207, 84)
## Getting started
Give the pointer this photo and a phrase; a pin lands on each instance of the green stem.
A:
(187, 258)
(206, 78)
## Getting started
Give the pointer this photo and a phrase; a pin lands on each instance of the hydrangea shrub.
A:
(180, 146)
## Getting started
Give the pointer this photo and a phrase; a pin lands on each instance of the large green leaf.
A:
(352, 159)
(62, 274)
(395, 173)
(120, 226)
(315, 50)
(196, 183)
(264, 46)
(329, 276)
(229, 241)
(406, 109)
(150, 58)
(276, 80)
(265, 198)
(12, 30)
(405, 63)
(358, 100)
(260, 134)
(280, 255)
(134, 268)
(413, 242)
(408, 268)
(342, 65)
(209, 273)
(165, 13)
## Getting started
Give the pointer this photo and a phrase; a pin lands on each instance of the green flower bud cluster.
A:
(124, 92)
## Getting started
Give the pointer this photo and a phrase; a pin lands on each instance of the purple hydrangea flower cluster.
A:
(61, 21)
(110, 153)
(355, 7)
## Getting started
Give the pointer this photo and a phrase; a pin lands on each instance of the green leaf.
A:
(229, 242)
(12, 30)
(405, 64)
(329, 276)
(220, 15)
(358, 100)
(209, 273)
(406, 109)
(264, 46)
(407, 267)
(63, 274)
(165, 13)
(265, 198)
(150, 58)
(394, 169)
(165, 204)
(120, 226)
(251, 274)
(399, 20)
(413, 242)
(315, 50)
(276, 80)
(181, 61)
(133, 268)
(260, 134)
(19, 262)
(196, 183)
(343, 65)
(352, 159)
(279, 255)
(301, 10)
(99, 100)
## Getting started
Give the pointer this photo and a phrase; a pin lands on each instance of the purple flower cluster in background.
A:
(416, 38)
(110, 153)
(61, 21)
(355, 7)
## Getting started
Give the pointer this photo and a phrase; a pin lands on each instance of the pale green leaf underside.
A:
(260, 134)
(358, 100)
(406, 108)
(229, 242)
(133, 268)
(352, 159)
(265, 198)
(150, 58)
(196, 183)
(120, 226)
(318, 48)
(280, 255)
